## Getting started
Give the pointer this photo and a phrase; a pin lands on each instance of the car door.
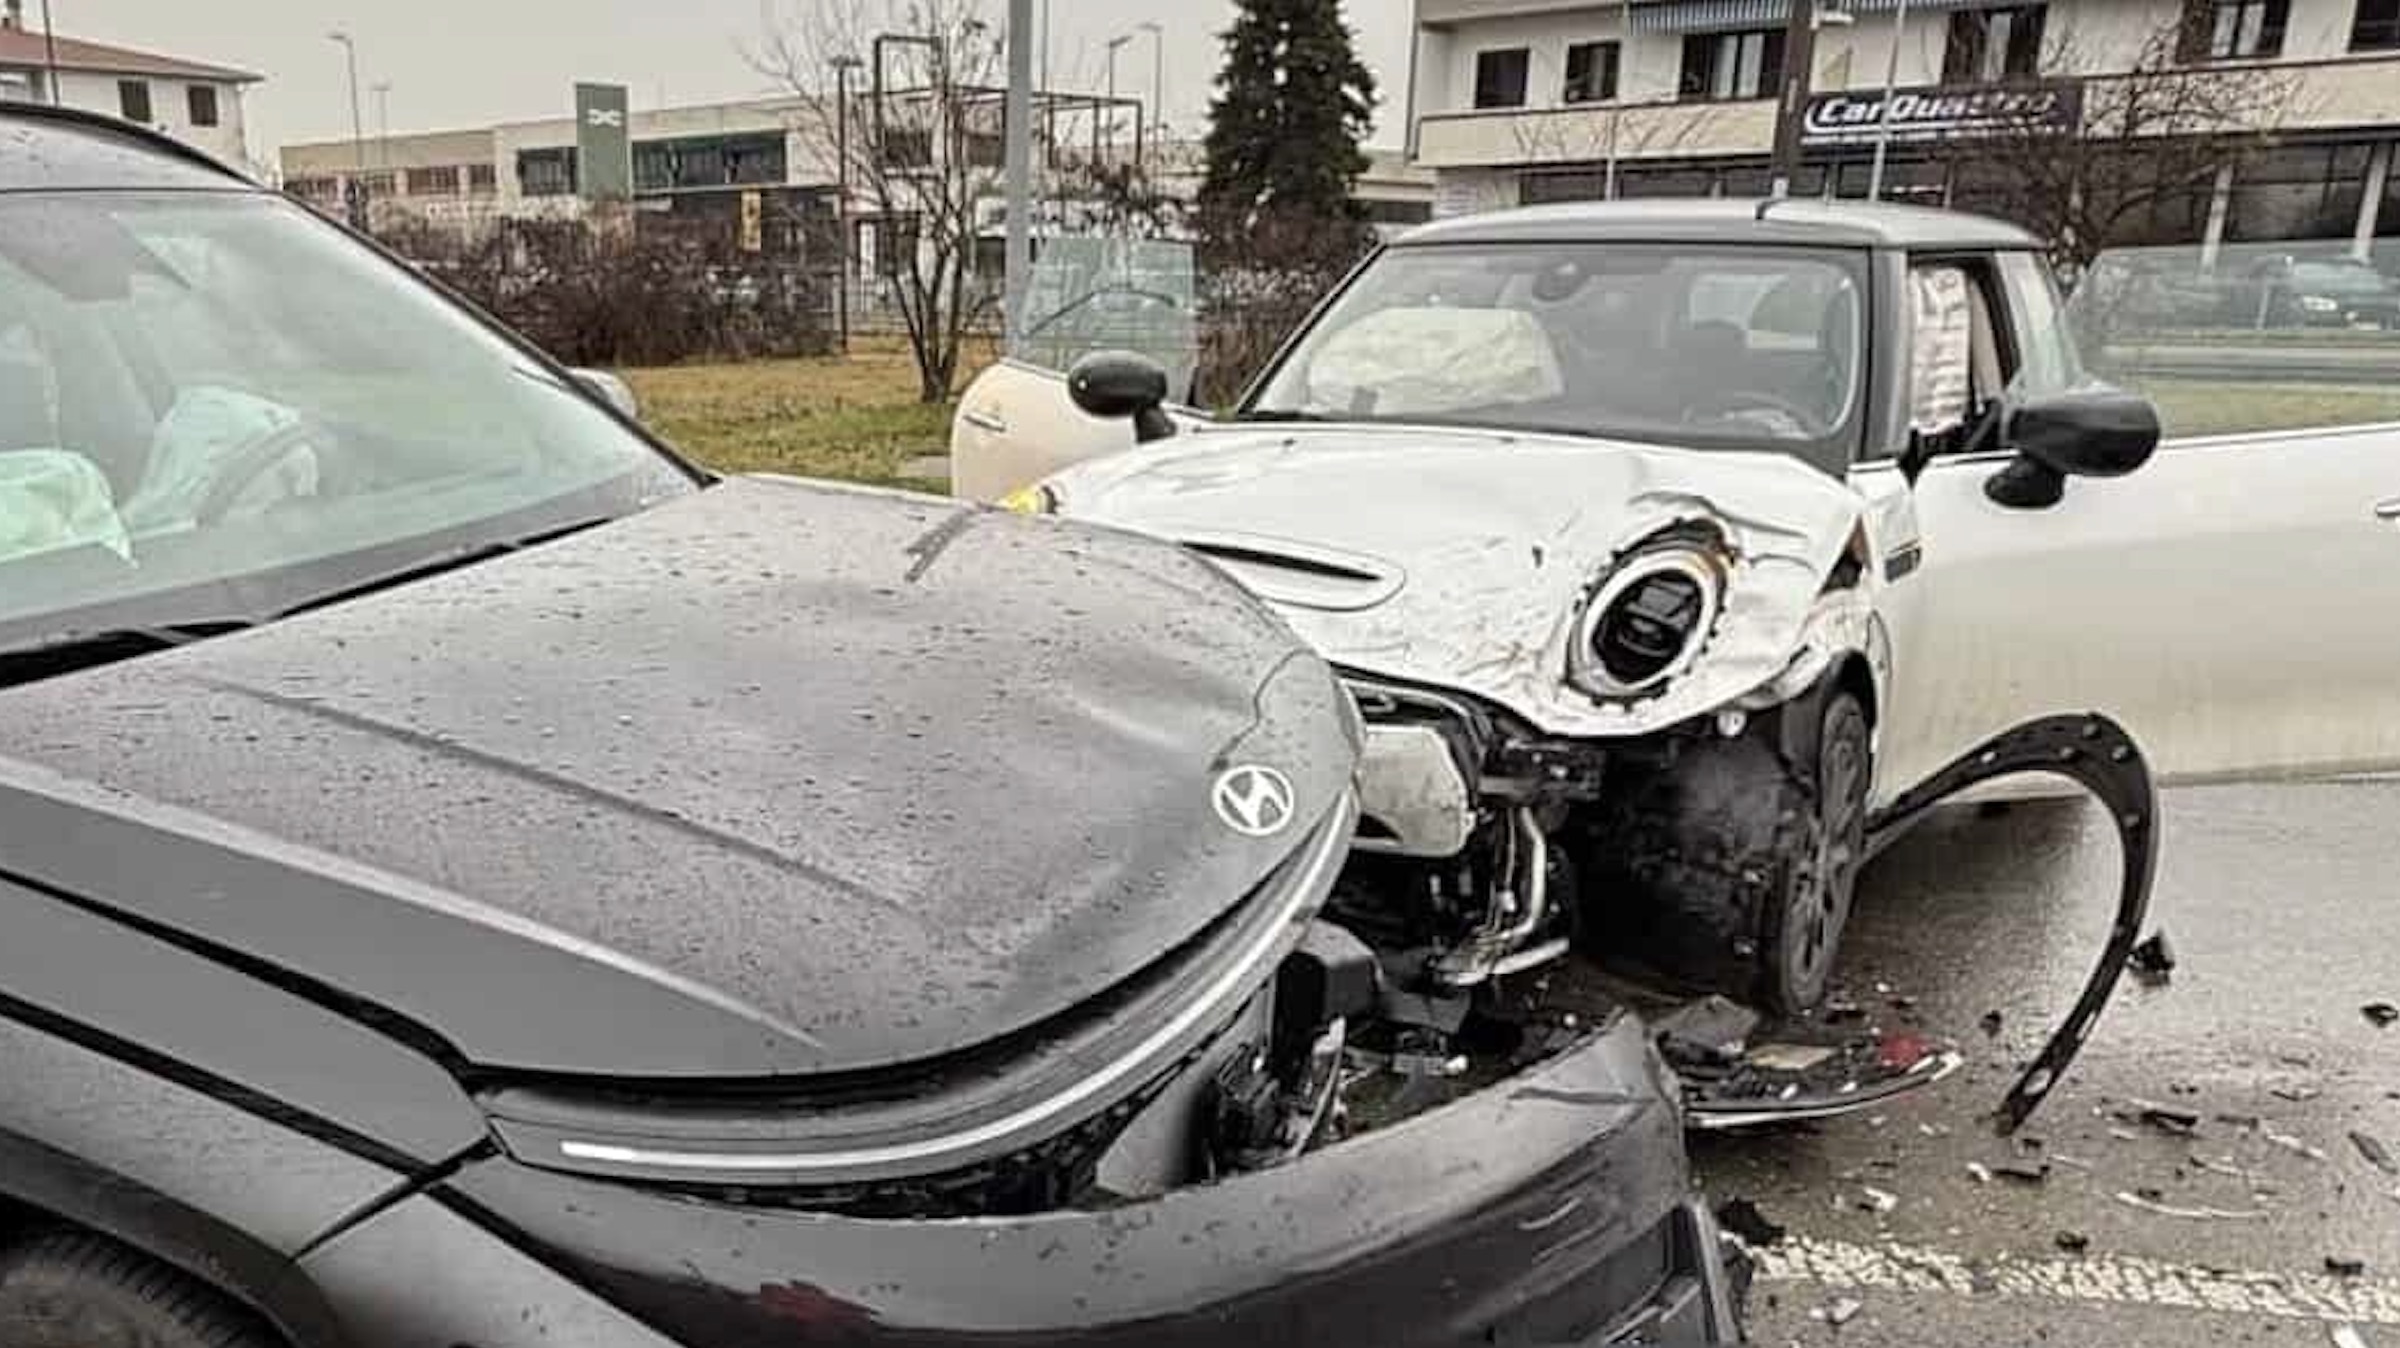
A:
(2231, 602)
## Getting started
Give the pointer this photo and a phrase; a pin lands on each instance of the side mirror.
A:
(2094, 432)
(611, 390)
(1115, 384)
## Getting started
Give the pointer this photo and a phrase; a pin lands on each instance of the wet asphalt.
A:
(2283, 907)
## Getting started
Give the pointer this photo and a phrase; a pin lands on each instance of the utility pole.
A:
(50, 53)
(842, 66)
(1799, 63)
(382, 90)
(1115, 44)
(1018, 127)
(358, 122)
(1883, 115)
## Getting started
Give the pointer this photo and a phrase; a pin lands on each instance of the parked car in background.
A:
(2316, 292)
(1662, 543)
(468, 877)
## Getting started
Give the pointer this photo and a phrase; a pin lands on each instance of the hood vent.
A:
(1302, 575)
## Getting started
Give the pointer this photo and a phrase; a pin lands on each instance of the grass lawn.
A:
(2218, 407)
(854, 417)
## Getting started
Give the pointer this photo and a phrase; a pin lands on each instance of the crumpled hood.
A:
(1495, 539)
(772, 780)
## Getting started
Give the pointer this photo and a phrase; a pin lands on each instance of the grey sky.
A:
(458, 63)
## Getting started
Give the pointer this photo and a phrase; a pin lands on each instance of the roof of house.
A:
(26, 48)
(1851, 224)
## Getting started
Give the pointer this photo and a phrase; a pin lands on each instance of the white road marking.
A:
(2128, 1279)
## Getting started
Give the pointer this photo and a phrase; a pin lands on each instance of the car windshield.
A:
(215, 406)
(1745, 348)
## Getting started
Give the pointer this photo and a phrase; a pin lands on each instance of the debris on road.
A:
(2379, 1156)
(1710, 1029)
(2380, 1014)
(2150, 1200)
(2293, 1145)
(2024, 1172)
(2073, 1242)
(2346, 1337)
(1839, 1313)
(2153, 961)
(1742, 1217)
(1981, 1172)
(1991, 1023)
(2343, 1266)
(1877, 1201)
(2165, 1118)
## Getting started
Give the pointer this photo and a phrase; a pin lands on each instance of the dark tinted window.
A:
(1747, 64)
(2376, 26)
(1500, 77)
(1591, 72)
(1989, 45)
(133, 100)
(2231, 29)
(202, 99)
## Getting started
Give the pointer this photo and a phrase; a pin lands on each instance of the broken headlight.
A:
(1648, 620)
(1038, 499)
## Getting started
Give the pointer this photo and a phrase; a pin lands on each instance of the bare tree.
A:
(1616, 136)
(922, 141)
(2151, 140)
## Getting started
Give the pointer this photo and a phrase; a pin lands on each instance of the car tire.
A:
(79, 1291)
(1732, 870)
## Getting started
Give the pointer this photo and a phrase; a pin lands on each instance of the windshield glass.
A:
(220, 396)
(1735, 348)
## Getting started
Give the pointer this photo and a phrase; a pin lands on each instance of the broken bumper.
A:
(1550, 1209)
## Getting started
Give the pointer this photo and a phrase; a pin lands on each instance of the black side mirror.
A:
(1113, 384)
(2098, 432)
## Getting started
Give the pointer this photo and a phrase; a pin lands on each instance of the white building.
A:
(1538, 100)
(196, 103)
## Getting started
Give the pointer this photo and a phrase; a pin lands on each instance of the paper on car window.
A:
(51, 499)
(1938, 362)
(1415, 361)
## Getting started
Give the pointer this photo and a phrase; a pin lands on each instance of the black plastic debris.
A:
(2073, 1242)
(1742, 1217)
(1991, 1023)
(2153, 961)
(2165, 1118)
(2377, 1155)
(2380, 1014)
(2343, 1266)
(1709, 1031)
(2023, 1172)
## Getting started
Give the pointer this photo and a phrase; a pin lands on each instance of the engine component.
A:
(1519, 904)
(1330, 976)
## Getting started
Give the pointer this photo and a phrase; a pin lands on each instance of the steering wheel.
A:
(250, 462)
(1723, 403)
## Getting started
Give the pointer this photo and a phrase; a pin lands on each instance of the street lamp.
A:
(1799, 68)
(1115, 44)
(842, 66)
(358, 123)
(1158, 87)
(382, 90)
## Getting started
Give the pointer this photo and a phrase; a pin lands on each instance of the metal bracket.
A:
(2097, 754)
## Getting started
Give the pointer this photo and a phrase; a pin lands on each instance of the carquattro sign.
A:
(603, 142)
(1856, 117)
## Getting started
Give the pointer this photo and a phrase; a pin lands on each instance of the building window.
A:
(133, 99)
(907, 147)
(2376, 27)
(378, 183)
(547, 172)
(202, 100)
(438, 181)
(1500, 77)
(1732, 65)
(1591, 73)
(1991, 45)
(482, 179)
(315, 189)
(2226, 30)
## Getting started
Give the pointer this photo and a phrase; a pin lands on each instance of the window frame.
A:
(1610, 54)
(2386, 26)
(133, 92)
(1700, 86)
(203, 104)
(1485, 83)
(2020, 55)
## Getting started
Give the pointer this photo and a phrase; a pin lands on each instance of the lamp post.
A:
(1883, 115)
(1158, 88)
(358, 123)
(1115, 44)
(382, 90)
(842, 66)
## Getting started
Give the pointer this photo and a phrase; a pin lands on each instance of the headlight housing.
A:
(1649, 620)
(1039, 498)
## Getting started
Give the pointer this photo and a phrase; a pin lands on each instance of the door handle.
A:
(2388, 510)
(985, 421)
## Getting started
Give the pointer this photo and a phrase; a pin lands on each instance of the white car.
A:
(1663, 543)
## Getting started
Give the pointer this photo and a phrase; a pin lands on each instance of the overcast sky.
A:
(461, 63)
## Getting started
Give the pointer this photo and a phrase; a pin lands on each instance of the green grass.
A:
(855, 417)
(2204, 407)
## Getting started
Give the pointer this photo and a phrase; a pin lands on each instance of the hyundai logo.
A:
(1254, 801)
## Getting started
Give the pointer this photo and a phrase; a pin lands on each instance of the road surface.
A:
(2283, 905)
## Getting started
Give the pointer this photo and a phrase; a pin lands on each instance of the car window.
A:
(1689, 345)
(201, 389)
(2047, 361)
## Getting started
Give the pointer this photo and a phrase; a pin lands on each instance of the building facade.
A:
(1523, 101)
(197, 103)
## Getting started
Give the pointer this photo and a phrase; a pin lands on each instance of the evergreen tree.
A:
(1293, 102)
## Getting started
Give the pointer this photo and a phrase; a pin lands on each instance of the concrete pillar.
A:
(2370, 205)
(2220, 204)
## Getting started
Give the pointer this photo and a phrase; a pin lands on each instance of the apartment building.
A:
(1523, 101)
(194, 101)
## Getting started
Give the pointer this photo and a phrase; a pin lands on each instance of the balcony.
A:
(1583, 135)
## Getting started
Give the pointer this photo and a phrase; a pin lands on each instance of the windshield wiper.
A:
(434, 566)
